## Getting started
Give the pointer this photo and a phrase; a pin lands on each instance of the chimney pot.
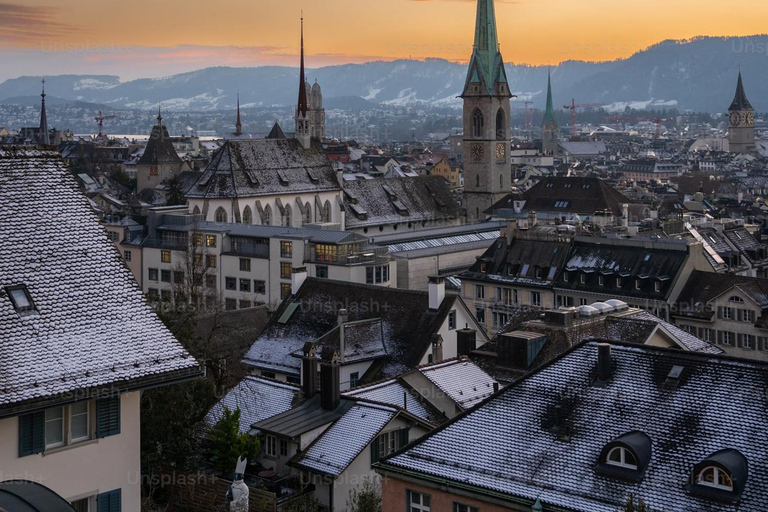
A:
(436, 292)
(298, 276)
(330, 380)
(309, 370)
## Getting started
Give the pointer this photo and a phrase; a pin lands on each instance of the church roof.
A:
(486, 66)
(740, 101)
(549, 113)
(277, 132)
(159, 149)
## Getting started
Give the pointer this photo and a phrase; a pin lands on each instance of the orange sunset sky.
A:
(153, 38)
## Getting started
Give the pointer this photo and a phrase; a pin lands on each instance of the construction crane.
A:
(572, 107)
(528, 116)
(100, 119)
(658, 122)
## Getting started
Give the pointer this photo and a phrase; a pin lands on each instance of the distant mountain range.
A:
(698, 74)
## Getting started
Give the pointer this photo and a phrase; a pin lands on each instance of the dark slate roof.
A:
(398, 200)
(91, 326)
(276, 132)
(363, 341)
(25, 496)
(308, 416)
(252, 168)
(523, 457)
(614, 258)
(398, 393)
(704, 287)
(159, 150)
(740, 101)
(408, 323)
(637, 327)
(583, 196)
(328, 236)
(519, 262)
(747, 245)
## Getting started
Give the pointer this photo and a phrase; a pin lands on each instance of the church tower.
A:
(45, 135)
(741, 122)
(549, 125)
(487, 172)
(238, 123)
(318, 112)
(303, 115)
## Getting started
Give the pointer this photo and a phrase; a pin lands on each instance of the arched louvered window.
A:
(287, 216)
(501, 125)
(268, 216)
(221, 215)
(478, 124)
(247, 215)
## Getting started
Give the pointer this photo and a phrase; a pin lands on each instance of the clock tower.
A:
(741, 122)
(487, 171)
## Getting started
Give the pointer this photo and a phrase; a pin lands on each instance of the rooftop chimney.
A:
(437, 348)
(512, 230)
(298, 276)
(309, 370)
(330, 380)
(604, 362)
(625, 215)
(533, 219)
(342, 319)
(436, 292)
(466, 341)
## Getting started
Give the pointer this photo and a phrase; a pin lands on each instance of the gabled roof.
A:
(486, 66)
(397, 393)
(407, 321)
(276, 132)
(704, 287)
(260, 167)
(90, 327)
(398, 200)
(258, 399)
(642, 324)
(304, 418)
(524, 455)
(740, 101)
(461, 380)
(159, 150)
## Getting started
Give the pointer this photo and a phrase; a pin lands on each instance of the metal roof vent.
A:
(673, 378)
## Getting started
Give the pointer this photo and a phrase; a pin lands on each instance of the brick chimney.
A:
(533, 219)
(330, 380)
(437, 348)
(298, 276)
(512, 231)
(309, 370)
(604, 363)
(436, 292)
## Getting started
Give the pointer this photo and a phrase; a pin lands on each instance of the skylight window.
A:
(21, 299)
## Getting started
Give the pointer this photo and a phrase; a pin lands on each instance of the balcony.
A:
(172, 245)
(368, 256)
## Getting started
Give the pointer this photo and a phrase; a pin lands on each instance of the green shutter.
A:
(109, 501)
(31, 434)
(403, 434)
(375, 451)
(107, 417)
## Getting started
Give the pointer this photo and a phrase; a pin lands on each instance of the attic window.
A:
(712, 476)
(722, 476)
(21, 299)
(736, 299)
(621, 457)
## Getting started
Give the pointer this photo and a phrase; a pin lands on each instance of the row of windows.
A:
(602, 280)
(745, 341)
(737, 315)
(244, 285)
(211, 261)
(421, 502)
(286, 217)
(377, 275)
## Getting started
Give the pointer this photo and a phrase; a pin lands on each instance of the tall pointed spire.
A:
(740, 101)
(238, 124)
(45, 137)
(486, 66)
(549, 113)
(160, 119)
(302, 105)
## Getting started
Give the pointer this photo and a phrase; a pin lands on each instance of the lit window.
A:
(286, 249)
(285, 290)
(21, 299)
(285, 270)
(210, 240)
(712, 476)
(165, 256)
(622, 458)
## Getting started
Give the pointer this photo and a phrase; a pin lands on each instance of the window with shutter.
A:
(109, 501)
(107, 417)
(31, 434)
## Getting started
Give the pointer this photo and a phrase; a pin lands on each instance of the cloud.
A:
(23, 25)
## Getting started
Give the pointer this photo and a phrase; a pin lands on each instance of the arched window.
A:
(221, 215)
(736, 299)
(327, 212)
(501, 129)
(307, 214)
(287, 214)
(268, 216)
(196, 211)
(477, 180)
(478, 124)
(621, 457)
(247, 215)
(712, 476)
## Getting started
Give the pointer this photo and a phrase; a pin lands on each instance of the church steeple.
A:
(486, 67)
(549, 113)
(45, 137)
(549, 137)
(303, 106)
(740, 101)
(238, 124)
(303, 119)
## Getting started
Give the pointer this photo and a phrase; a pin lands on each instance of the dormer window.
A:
(715, 477)
(721, 476)
(21, 299)
(621, 457)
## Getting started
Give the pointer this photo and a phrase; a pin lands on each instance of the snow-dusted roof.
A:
(396, 392)
(338, 446)
(684, 338)
(521, 456)
(91, 326)
(461, 380)
(257, 399)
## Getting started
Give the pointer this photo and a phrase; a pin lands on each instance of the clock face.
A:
(501, 152)
(735, 118)
(478, 152)
(750, 121)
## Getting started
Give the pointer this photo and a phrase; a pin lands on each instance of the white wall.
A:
(86, 469)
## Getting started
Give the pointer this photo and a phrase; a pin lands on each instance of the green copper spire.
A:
(549, 114)
(486, 66)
